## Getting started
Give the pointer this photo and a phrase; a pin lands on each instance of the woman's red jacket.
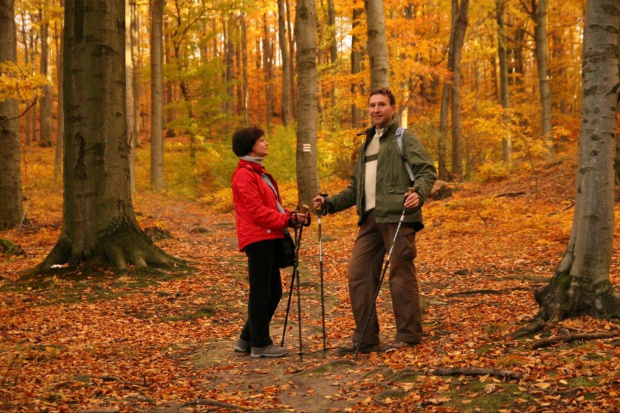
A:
(256, 211)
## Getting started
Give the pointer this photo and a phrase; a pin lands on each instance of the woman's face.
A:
(259, 150)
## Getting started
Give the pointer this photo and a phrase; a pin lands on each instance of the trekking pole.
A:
(305, 209)
(321, 212)
(290, 292)
(295, 274)
(387, 262)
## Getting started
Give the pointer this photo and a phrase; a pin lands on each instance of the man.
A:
(379, 190)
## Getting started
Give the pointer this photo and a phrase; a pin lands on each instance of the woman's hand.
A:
(297, 219)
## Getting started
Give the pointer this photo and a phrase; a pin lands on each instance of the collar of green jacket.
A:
(370, 132)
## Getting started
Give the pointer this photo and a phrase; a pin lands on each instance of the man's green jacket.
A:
(392, 179)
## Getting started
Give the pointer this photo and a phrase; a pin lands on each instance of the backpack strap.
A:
(399, 145)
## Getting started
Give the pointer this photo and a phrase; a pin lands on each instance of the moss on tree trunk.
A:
(567, 296)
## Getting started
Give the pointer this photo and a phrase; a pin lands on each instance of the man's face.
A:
(381, 112)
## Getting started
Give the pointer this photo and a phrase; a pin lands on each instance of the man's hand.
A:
(412, 200)
(317, 202)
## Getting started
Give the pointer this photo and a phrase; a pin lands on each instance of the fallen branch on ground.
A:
(474, 371)
(118, 379)
(517, 193)
(474, 292)
(209, 402)
(545, 342)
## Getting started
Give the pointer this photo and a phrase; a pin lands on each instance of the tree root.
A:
(122, 245)
(534, 327)
(545, 342)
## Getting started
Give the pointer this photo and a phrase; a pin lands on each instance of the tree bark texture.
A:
(157, 86)
(581, 284)
(99, 223)
(305, 32)
(377, 44)
(459, 14)
(11, 212)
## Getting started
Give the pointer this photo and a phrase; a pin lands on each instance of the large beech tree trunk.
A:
(11, 211)
(581, 283)
(99, 223)
(305, 32)
(377, 44)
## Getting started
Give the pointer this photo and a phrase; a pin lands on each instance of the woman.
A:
(261, 221)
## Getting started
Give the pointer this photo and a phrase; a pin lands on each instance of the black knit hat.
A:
(244, 139)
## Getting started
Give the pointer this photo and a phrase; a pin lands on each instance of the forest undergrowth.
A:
(101, 341)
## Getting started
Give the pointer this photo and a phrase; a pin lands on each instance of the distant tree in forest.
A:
(581, 285)
(99, 222)
(157, 89)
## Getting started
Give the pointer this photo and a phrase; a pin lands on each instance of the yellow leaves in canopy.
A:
(18, 81)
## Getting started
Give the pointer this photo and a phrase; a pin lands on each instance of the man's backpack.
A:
(399, 145)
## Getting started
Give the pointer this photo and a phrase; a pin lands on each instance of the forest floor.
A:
(138, 341)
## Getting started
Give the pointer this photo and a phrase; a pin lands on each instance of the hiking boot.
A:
(365, 348)
(401, 344)
(242, 346)
(269, 351)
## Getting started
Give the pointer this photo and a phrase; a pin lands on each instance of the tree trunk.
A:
(305, 32)
(503, 80)
(25, 38)
(244, 61)
(135, 56)
(542, 59)
(581, 283)
(286, 61)
(356, 67)
(130, 112)
(45, 127)
(459, 13)
(333, 41)
(99, 222)
(267, 61)
(292, 52)
(11, 212)
(230, 66)
(157, 81)
(444, 110)
(377, 44)
(60, 130)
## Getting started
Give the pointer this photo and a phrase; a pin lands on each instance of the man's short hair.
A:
(243, 140)
(385, 92)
